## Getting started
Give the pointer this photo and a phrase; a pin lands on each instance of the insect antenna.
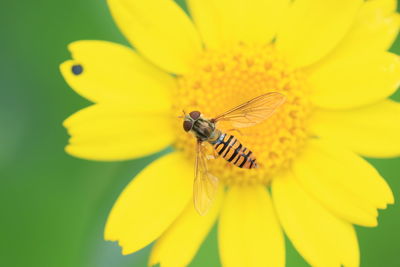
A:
(184, 114)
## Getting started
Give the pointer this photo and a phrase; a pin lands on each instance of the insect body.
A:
(225, 145)
(234, 152)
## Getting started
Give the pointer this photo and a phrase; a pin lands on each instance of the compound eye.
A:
(194, 115)
(187, 125)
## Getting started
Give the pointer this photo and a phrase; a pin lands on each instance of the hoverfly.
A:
(245, 115)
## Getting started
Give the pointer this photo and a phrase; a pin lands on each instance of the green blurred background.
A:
(53, 206)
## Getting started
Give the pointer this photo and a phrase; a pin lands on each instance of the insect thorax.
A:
(204, 129)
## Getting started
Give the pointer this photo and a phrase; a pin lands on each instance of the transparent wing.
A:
(205, 184)
(253, 111)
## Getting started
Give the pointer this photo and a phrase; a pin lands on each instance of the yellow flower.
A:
(327, 56)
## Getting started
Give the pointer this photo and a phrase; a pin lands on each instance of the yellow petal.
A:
(371, 131)
(110, 132)
(179, 244)
(343, 182)
(226, 22)
(354, 81)
(112, 73)
(150, 203)
(249, 234)
(312, 28)
(321, 238)
(160, 30)
(374, 30)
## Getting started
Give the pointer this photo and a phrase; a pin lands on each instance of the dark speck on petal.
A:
(77, 69)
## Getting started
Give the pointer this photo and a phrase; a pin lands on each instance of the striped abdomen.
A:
(233, 151)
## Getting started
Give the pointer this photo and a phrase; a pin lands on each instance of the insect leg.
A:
(214, 156)
(211, 153)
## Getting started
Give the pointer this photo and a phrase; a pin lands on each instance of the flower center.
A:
(220, 80)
